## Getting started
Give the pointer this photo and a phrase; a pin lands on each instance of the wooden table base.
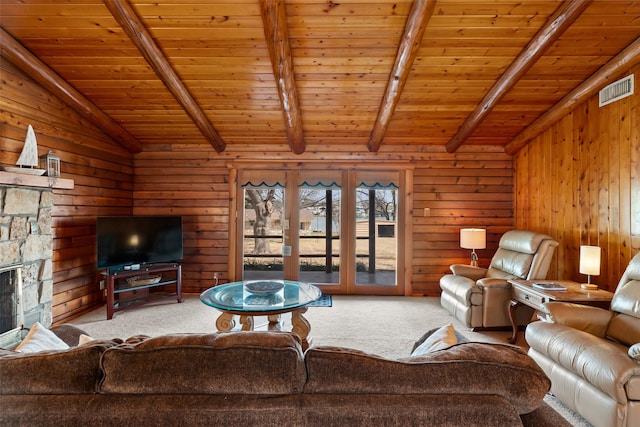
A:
(300, 325)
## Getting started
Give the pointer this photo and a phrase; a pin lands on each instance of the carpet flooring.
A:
(386, 326)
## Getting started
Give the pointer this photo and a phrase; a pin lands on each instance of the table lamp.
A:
(589, 264)
(473, 238)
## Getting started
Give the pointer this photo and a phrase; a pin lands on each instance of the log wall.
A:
(580, 182)
(101, 170)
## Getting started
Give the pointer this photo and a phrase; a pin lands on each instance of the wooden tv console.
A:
(132, 288)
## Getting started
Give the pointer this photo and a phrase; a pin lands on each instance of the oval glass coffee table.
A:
(269, 298)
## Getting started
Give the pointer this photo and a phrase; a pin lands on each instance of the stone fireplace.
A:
(26, 246)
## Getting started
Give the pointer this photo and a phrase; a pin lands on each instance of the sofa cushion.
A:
(231, 363)
(624, 328)
(470, 368)
(72, 371)
(507, 264)
(603, 363)
(523, 241)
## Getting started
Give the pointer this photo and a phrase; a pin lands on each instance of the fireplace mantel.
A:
(26, 180)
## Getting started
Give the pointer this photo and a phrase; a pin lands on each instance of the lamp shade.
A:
(590, 260)
(473, 238)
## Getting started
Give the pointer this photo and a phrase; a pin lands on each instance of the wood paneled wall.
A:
(101, 170)
(580, 182)
(192, 182)
(472, 188)
(468, 189)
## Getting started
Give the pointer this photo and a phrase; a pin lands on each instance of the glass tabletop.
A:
(260, 295)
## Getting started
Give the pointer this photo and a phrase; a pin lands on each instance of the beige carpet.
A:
(387, 326)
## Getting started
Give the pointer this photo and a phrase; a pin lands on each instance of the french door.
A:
(343, 230)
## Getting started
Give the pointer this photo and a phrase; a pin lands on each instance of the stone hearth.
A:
(26, 240)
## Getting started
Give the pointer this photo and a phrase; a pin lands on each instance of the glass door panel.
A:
(319, 234)
(340, 229)
(375, 234)
(263, 233)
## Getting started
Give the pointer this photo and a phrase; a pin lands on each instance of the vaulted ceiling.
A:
(313, 73)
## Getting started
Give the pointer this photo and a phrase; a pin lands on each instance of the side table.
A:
(523, 293)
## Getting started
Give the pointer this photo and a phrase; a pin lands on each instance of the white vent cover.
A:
(616, 90)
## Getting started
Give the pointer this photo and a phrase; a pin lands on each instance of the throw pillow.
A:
(441, 338)
(83, 339)
(40, 338)
(634, 352)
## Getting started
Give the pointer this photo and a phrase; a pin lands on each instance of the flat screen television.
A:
(130, 240)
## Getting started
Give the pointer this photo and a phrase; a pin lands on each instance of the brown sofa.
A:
(264, 378)
(592, 355)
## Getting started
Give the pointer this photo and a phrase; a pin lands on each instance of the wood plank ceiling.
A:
(313, 73)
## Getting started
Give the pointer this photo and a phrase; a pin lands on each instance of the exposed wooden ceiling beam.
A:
(137, 32)
(22, 58)
(274, 19)
(419, 16)
(557, 24)
(622, 62)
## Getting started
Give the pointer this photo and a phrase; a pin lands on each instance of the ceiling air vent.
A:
(616, 90)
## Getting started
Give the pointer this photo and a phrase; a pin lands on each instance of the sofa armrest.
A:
(473, 273)
(593, 320)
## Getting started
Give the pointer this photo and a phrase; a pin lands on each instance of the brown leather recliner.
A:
(592, 355)
(479, 297)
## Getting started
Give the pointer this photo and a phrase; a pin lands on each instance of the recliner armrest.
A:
(593, 320)
(473, 273)
(493, 283)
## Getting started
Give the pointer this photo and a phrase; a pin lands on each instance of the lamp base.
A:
(589, 286)
(474, 258)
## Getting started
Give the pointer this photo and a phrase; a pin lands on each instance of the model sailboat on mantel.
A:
(28, 159)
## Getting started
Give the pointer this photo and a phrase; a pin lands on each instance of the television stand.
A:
(150, 283)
